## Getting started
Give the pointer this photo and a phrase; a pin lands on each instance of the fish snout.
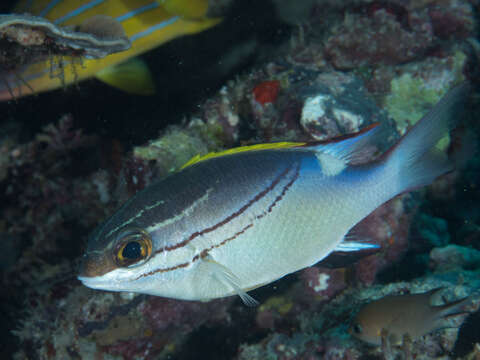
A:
(95, 264)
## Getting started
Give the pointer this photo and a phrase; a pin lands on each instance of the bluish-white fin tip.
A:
(350, 246)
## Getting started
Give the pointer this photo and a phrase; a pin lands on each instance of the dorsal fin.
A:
(333, 154)
(337, 153)
(256, 147)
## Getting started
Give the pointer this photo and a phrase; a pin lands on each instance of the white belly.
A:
(301, 229)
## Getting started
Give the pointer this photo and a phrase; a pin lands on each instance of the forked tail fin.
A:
(415, 160)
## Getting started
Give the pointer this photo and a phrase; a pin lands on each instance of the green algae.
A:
(179, 144)
(412, 96)
(277, 303)
(409, 100)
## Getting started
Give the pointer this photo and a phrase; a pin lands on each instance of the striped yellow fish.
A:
(237, 220)
(147, 23)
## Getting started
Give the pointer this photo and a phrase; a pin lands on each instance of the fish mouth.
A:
(108, 282)
(105, 282)
(94, 272)
(91, 282)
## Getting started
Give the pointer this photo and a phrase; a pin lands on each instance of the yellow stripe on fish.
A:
(186, 8)
(268, 146)
(147, 24)
(276, 146)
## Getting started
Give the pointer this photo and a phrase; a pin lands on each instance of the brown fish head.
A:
(367, 326)
(126, 248)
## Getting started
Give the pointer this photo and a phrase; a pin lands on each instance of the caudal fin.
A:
(416, 161)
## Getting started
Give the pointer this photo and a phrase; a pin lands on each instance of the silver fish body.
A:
(236, 222)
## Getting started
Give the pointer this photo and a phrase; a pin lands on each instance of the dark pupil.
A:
(132, 250)
(357, 329)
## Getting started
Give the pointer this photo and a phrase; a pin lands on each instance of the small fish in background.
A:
(236, 220)
(147, 24)
(396, 317)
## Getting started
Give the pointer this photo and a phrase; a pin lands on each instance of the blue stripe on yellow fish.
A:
(237, 220)
(147, 23)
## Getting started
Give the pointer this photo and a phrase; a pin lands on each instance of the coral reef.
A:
(122, 325)
(335, 104)
(348, 65)
(323, 333)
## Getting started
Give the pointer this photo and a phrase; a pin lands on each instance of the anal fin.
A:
(348, 246)
(347, 253)
(132, 76)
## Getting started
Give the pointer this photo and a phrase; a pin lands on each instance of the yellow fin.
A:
(188, 9)
(267, 146)
(132, 76)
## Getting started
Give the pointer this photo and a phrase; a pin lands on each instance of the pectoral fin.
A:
(132, 76)
(226, 277)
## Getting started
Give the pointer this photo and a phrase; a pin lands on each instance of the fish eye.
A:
(357, 329)
(134, 246)
(132, 250)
